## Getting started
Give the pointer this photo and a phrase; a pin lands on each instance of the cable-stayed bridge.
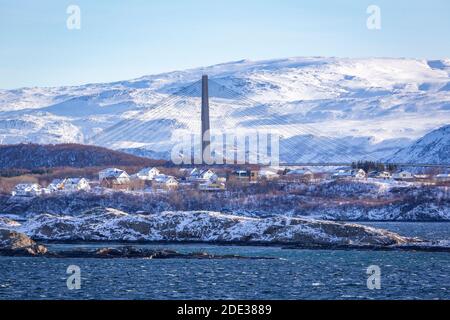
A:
(208, 108)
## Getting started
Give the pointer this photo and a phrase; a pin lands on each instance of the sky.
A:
(120, 40)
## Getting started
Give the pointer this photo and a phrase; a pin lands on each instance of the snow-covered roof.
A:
(112, 173)
(201, 173)
(56, 182)
(349, 173)
(402, 172)
(76, 180)
(194, 172)
(267, 172)
(27, 187)
(299, 172)
(343, 173)
(162, 178)
(147, 171)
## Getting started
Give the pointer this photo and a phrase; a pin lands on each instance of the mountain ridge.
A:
(380, 104)
(433, 148)
(33, 156)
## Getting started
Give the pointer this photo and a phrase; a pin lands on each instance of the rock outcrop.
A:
(113, 225)
(13, 243)
(131, 252)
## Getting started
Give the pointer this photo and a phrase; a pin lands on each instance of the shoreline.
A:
(27, 216)
(426, 247)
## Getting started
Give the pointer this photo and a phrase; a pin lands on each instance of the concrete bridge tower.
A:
(206, 136)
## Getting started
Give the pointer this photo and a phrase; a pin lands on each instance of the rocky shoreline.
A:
(15, 244)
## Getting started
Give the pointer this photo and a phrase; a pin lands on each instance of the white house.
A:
(76, 184)
(148, 174)
(117, 176)
(242, 174)
(27, 190)
(350, 174)
(385, 175)
(209, 175)
(194, 173)
(268, 174)
(56, 185)
(359, 174)
(403, 175)
(304, 173)
(444, 177)
(69, 185)
(165, 182)
(197, 175)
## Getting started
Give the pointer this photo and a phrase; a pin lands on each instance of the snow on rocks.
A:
(103, 224)
(8, 223)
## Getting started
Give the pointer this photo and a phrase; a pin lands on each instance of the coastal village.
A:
(156, 180)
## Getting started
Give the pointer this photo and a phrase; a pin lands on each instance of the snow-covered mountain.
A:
(432, 148)
(370, 107)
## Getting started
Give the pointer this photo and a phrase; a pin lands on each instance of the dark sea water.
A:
(295, 274)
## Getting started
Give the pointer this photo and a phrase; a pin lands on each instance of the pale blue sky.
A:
(121, 40)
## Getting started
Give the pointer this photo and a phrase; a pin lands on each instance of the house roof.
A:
(402, 171)
(267, 172)
(201, 172)
(299, 172)
(162, 178)
(57, 181)
(146, 171)
(113, 173)
(75, 180)
(348, 173)
(343, 173)
(27, 187)
(194, 172)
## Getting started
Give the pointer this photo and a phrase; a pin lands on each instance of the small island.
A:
(111, 225)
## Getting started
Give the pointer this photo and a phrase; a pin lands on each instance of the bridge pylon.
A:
(206, 136)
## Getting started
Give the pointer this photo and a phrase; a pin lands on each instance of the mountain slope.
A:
(432, 148)
(376, 106)
(32, 156)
